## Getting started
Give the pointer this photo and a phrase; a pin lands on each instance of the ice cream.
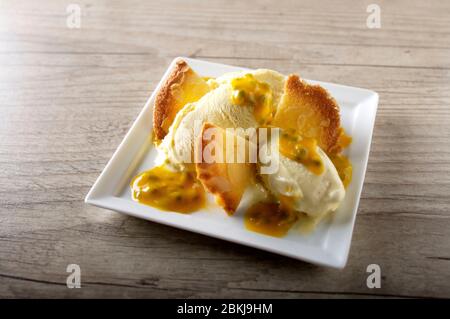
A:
(302, 189)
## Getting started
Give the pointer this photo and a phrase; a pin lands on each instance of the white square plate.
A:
(328, 245)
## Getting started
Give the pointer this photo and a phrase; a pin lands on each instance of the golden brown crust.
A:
(227, 181)
(164, 100)
(167, 103)
(311, 111)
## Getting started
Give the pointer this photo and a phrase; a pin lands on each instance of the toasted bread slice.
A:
(311, 112)
(181, 87)
(227, 180)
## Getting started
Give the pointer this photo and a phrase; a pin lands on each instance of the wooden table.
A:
(69, 95)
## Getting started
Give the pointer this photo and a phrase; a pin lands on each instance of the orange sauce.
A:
(343, 167)
(167, 190)
(269, 218)
(341, 162)
(249, 91)
(302, 150)
(344, 140)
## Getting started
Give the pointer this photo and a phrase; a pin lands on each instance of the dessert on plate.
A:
(264, 145)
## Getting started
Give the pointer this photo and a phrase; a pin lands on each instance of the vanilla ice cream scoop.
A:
(312, 193)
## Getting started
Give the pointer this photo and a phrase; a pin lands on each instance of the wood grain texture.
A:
(68, 96)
